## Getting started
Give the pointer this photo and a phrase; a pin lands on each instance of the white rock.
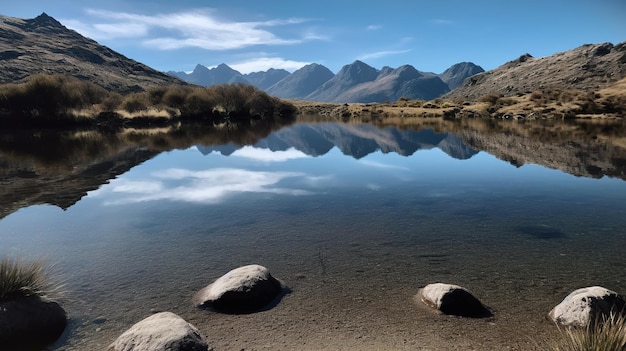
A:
(453, 299)
(580, 307)
(242, 289)
(163, 331)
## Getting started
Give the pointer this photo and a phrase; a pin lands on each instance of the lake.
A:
(354, 218)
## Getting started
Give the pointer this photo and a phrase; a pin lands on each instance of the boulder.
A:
(30, 323)
(244, 289)
(164, 331)
(454, 300)
(582, 306)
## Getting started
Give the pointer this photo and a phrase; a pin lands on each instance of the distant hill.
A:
(404, 81)
(457, 73)
(223, 74)
(348, 77)
(264, 80)
(589, 67)
(43, 45)
(302, 82)
(205, 76)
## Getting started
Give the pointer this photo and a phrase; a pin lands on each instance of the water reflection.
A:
(59, 168)
(208, 186)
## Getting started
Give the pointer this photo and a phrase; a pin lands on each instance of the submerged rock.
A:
(244, 289)
(30, 323)
(582, 306)
(454, 300)
(163, 331)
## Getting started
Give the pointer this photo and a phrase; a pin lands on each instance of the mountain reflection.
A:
(60, 167)
(356, 140)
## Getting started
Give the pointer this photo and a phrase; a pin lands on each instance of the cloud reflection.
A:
(267, 155)
(206, 186)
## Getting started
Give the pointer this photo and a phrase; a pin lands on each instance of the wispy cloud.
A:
(374, 27)
(265, 63)
(197, 28)
(207, 186)
(379, 54)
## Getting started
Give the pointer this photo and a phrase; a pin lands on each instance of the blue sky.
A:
(256, 35)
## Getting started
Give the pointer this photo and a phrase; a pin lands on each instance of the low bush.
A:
(23, 279)
(607, 334)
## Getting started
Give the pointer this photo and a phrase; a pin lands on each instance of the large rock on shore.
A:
(454, 300)
(582, 306)
(163, 331)
(244, 289)
(30, 323)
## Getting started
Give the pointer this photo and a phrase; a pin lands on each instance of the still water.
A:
(353, 218)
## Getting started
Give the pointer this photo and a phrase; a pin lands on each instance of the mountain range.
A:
(356, 140)
(355, 82)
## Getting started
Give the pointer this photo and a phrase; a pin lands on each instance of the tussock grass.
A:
(607, 334)
(20, 278)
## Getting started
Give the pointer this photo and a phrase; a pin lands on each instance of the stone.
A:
(453, 300)
(30, 323)
(244, 289)
(582, 306)
(164, 331)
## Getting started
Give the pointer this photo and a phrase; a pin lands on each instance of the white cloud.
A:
(265, 63)
(374, 27)
(197, 28)
(208, 186)
(266, 155)
(379, 54)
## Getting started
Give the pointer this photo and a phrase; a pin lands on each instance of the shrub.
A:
(607, 334)
(491, 99)
(135, 102)
(22, 279)
(198, 103)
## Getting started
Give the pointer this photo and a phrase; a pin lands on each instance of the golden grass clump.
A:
(19, 278)
(607, 334)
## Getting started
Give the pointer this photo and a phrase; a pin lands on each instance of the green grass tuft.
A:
(607, 334)
(20, 278)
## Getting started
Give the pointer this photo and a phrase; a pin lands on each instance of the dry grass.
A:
(20, 278)
(608, 334)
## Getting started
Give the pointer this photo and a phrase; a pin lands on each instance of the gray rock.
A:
(163, 331)
(580, 307)
(453, 299)
(244, 289)
(30, 323)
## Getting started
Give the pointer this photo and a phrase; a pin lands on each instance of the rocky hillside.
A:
(588, 68)
(43, 45)
(348, 77)
(302, 82)
(391, 85)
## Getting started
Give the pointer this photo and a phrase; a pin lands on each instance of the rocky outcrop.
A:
(244, 289)
(30, 323)
(453, 299)
(581, 307)
(163, 331)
